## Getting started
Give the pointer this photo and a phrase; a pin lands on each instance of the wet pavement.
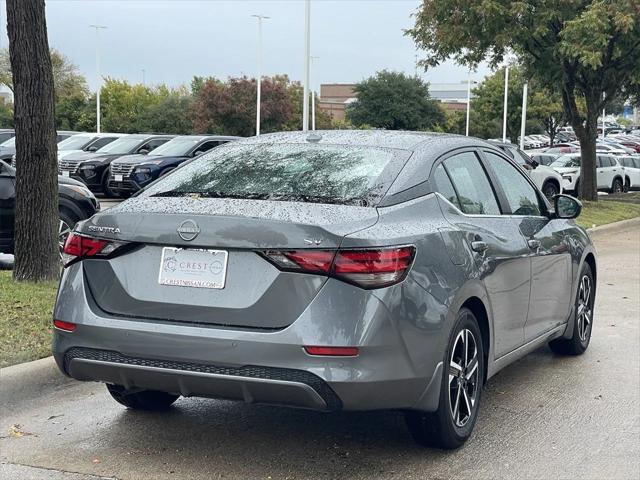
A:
(545, 416)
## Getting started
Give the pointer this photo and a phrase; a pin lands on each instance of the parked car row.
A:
(129, 162)
(617, 163)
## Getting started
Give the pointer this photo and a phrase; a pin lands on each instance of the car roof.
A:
(144, 136)
(372, 138)
(208, 137)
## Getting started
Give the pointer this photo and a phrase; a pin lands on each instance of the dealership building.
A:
(335, 97)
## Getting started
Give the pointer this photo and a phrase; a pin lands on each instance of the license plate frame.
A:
(193, 268)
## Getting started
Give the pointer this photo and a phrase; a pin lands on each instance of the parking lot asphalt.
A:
(545, 416)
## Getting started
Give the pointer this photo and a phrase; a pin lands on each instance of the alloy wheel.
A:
(584, 308)
(64, 230)
(463, 377)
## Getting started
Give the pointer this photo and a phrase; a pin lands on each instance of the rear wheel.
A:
(66, 223)
(583, 318)
(616, 186)
(141, 399)
(451, 425)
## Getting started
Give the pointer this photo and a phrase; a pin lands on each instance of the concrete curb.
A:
(25, 381)
(614, 227)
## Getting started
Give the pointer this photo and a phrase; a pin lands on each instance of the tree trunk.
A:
(587, 135)
(36, 224)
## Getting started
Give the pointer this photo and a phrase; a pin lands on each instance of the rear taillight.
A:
(366, 268)
(79, 246)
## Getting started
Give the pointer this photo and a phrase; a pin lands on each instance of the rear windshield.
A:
(350, 175)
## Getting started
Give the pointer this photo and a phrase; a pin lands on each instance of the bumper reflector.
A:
(64, 326)
(332, 351)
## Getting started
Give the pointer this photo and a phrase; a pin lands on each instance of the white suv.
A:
(609, 173)
(631, 172)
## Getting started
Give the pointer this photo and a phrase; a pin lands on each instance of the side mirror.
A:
(566, 206)
(197, 152)
(92, 149)
(143, 151)
(534, 164)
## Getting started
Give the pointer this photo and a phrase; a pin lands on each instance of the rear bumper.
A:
(249, 383)
(399, 365)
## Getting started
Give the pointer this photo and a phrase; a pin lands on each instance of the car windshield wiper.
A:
(283, 197)
(211, 194)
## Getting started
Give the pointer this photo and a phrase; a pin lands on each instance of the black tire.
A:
(142, 399)
(579, 342)
(577, 190)
(627, 185)
(443, 428)
(550, 190)
(616, 186)
(106, 190)
(67, 221)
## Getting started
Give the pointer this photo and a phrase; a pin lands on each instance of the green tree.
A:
(580, 48)
(70, 87)
(488, 104)
(394, 101)
(170, 115)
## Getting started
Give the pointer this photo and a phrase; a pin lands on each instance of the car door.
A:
(604, 171)
(551, 269)
(499, 251)
(7, 210)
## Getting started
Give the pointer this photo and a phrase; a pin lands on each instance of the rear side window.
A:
(475, 194)
(521, 196)
(444, 186)
(350, 175)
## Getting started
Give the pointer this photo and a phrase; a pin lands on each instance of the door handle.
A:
(533, 244)
(479, 246)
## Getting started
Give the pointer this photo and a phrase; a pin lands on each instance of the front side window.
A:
(521, 196)
(178, 147)
(295, 172)
(475, 193)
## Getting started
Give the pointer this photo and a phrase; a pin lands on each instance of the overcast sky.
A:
(173, 40)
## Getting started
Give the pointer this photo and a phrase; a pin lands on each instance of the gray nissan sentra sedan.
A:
(355, 270)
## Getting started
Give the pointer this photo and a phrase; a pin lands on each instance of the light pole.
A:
(466, 130)
(523, 122)
(313, 100)
(98, 28)
(506, 96)
(603, 114)
(307, 54)
(259, 75)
